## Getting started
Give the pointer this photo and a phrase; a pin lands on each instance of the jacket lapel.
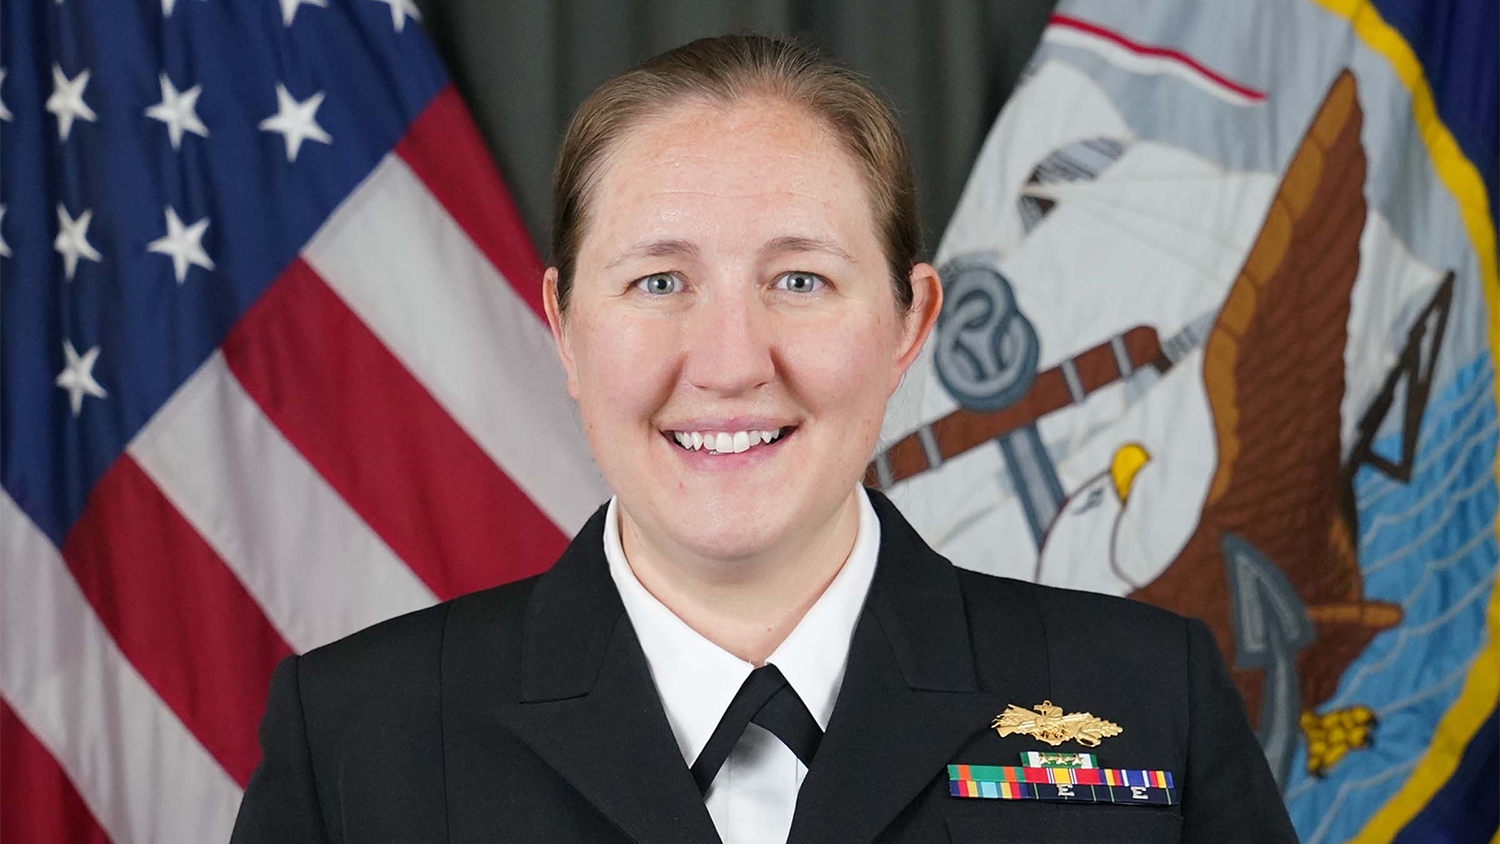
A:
(588, 705)
(912, 694)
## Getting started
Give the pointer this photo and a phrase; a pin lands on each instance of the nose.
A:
(729, 345)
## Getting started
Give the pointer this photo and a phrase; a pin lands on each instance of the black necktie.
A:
(767, 700)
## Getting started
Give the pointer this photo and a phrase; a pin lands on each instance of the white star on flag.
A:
(178, 111)
(184, 244)
(77, 376)
(289, 8)
(400, 10)
(167, 6)
(4, 112)
(4, 247)
(73, 239)
(295, 121)
(67, 100)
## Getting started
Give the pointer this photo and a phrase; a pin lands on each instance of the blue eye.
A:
(660, 284)
(800, 282)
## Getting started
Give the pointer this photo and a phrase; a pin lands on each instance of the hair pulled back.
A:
(725, 70)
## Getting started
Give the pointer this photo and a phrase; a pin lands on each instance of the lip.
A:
(702, 461)
(727, 424)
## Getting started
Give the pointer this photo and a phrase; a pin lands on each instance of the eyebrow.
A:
(797, 243)
(785, 243)
(655, 249)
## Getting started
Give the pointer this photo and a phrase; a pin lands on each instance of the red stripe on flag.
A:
(177, 612)
(445, 150)
(1160, 52)
(38, 803)
(383, 442)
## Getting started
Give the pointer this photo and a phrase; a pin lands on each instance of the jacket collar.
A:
(916, 597)
(575, 609)
(910, 697)
(571, 617)
(588, 705)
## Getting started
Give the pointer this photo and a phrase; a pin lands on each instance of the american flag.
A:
(274, 369)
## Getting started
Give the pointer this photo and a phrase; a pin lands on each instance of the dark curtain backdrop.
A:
(524, 65)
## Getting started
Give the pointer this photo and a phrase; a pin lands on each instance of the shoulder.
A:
(1079, 631)
(1003, 610)
(1069, 608)
(414, 635)
(402, 656)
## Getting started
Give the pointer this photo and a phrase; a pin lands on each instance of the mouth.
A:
(720, 443)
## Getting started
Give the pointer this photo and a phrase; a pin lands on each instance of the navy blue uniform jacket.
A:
(526, 713)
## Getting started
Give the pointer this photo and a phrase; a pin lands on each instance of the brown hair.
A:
(724, 70)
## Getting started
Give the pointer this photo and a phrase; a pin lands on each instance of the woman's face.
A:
(730, 287)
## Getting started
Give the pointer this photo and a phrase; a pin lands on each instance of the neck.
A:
(747, 605)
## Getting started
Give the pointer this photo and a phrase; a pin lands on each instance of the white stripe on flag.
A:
(404, 266)
(144, 777)
(317, 570)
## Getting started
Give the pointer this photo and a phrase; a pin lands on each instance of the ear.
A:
(559, 330)
(926, 303)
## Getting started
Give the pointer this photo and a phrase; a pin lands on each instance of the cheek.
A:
(840, 368)
(625, 370)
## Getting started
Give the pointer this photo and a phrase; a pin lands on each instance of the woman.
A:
(744, 643)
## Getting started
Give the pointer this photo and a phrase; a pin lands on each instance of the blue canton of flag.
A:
(163, 162)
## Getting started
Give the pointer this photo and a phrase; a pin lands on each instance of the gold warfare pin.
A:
(1047, 723)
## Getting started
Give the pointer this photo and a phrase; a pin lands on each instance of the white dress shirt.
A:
(752, 799)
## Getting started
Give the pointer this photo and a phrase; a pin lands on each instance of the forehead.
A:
(731, 175)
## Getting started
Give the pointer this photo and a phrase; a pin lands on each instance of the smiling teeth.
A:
(723, 442)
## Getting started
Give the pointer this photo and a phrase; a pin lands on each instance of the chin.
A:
(726, 530)
(748, 524)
